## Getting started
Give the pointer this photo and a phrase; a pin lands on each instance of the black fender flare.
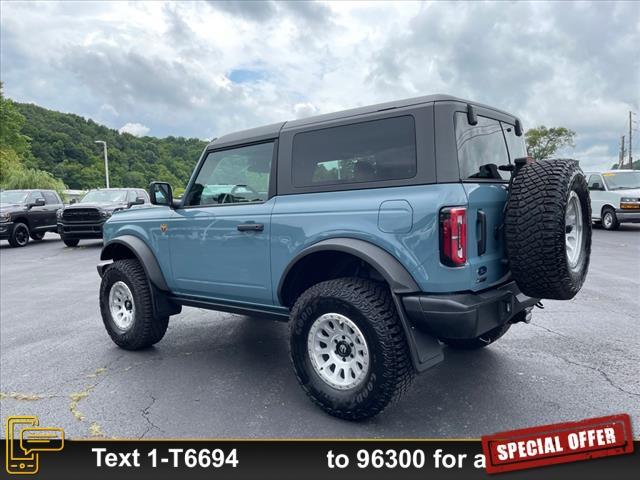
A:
(399, 279)
(144, 255)
(425, 350)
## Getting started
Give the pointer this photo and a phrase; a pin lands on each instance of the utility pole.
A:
(630, 141)
(106, 161)
(622, 153)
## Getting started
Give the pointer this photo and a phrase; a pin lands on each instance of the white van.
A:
(615, 197)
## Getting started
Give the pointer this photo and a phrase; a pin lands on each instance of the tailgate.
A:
(486, 253)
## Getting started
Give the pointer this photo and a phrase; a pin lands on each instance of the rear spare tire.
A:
(548, 229)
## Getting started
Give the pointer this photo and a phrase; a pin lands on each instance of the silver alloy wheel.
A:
(338, 351)
(607, 220)
(121, 305)
(574, 230)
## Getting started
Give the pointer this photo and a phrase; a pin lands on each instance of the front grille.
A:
(81, 215)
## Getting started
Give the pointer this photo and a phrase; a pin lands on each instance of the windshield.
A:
(15, 196)
(622, 180)
(105, 196)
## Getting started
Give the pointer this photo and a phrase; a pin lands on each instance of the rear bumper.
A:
(6, 229)
(466, 315)
(625, 216)
(81, 230)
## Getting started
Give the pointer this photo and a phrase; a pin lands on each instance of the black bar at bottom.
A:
(298, 459)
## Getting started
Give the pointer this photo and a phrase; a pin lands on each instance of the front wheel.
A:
(348, 347)
(71, 242)
(20, 235)
(126, 307)
(609, 219)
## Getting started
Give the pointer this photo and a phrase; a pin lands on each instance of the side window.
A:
(515, 144)
(51, 198)
(33, 196)
(481, 148)
(595, 183)
(371, 151)
(143, 194)
(237, 175)
(131, 196)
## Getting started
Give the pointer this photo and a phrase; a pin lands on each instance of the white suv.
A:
(615, 197)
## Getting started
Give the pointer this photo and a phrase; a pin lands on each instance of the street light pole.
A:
(106, 160)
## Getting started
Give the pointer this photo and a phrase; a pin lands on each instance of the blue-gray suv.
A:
(380, 234)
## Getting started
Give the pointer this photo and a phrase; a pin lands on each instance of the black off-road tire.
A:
(71, 242)
(37, 236)
(20, 235)
(535, 229)
(611, 223)
(146, 329)
(370, 306)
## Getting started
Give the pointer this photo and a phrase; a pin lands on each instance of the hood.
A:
(11, 207)
(628, 192)
(100, 206)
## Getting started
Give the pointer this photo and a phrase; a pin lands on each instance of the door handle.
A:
(251, 227)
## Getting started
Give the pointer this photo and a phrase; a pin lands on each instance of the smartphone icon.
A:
(18, 462)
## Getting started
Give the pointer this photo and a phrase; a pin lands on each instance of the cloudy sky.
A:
(206, 68)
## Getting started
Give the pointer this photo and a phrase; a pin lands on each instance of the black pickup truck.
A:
(27, 213)
(84, 220)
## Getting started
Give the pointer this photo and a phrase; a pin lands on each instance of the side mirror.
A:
(472, 119)
(596, 186)
(161, 194)
(137, 201)
(38, 203)
(518, 128)
(73, 201)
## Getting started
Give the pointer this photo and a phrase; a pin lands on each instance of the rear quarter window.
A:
(372, 151)
(515, 144)
(481, 148)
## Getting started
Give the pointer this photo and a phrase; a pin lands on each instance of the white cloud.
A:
(304, 109)
(205, 69)
(135, 129)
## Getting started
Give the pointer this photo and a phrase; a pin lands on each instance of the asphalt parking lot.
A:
(223, 375)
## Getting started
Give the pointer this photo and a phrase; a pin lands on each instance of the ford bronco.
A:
(380, 233)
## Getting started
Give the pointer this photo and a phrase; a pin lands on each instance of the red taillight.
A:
(453, 236)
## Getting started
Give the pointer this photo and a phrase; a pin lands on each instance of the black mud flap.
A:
(426, 351)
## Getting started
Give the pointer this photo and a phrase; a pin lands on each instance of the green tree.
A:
(63, 144)
(543, 142)
(30, 178)
(9, 163)
(11, 123)
(15, 151)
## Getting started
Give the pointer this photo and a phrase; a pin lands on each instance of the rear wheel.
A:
(348, 347)
(20, 235)
(70, 242)
(609, 219)
(126, 307)
(37, 236)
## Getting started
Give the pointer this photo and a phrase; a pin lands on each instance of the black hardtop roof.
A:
(273, 130)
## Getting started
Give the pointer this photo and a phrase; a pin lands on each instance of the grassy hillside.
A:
(63, 144)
